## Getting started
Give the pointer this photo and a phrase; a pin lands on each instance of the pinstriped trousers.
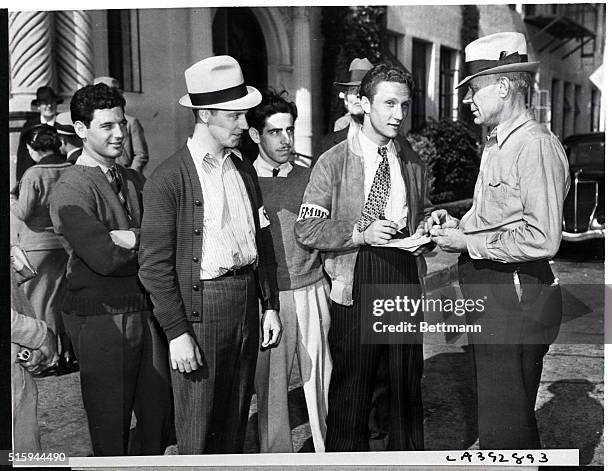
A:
(212, 403)
(355, 364)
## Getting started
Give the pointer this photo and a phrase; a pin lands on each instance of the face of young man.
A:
(484, 100)
(352, 102)
(277, 138)
(104, 137)
(226, 126)
(385, 113)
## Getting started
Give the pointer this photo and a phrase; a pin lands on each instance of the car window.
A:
(586, 153)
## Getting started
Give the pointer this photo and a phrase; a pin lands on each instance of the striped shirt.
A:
(229, 229)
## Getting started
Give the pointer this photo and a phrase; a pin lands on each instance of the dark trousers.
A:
(355, 364)
(212, 403)
(508, 355)
(123, 364)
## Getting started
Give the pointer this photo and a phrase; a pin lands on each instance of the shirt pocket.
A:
(494, 201)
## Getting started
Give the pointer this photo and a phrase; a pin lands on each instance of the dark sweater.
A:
(171, 242)
(102, 277)
(298, 266)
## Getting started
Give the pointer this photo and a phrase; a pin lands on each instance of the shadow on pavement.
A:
(572, 418)
(449, 401)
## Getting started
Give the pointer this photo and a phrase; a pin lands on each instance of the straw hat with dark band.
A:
(497, 53)
(217, 83)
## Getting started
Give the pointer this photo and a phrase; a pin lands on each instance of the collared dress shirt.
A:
(88, 161)
(264, 169)
(517, 212)
(229, 227)
(397, 207)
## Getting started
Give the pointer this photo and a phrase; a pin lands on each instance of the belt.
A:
(234, 272)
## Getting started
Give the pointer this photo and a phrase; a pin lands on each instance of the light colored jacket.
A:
(135, 150)
(332, 205)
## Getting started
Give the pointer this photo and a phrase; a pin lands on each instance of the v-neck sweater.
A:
(102, 277)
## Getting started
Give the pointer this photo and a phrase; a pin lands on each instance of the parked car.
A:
(583, 211)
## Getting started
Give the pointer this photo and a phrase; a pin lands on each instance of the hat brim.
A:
(531, 67)
(250, 100)
(347, 84)
(58, 101)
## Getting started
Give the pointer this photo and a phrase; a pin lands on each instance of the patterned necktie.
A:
(379, 193)
(115, 183)
(275, 172)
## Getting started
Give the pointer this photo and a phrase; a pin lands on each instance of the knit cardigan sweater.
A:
(171, 242)
(102, 277)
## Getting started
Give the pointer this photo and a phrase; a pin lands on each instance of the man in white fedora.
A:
(206, 255)
(506, 240)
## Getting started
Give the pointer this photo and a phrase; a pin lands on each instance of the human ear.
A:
(254, 134)
(365, 104)
(80, 129)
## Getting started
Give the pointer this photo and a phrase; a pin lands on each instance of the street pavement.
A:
(569, 407)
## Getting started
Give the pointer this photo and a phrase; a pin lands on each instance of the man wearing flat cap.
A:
(349, 123)
(46, 102)
(506, 241)
(206, 255)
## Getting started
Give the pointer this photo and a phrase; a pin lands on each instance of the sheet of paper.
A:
(408, 243)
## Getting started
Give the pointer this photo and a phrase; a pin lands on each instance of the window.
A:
(419, 74)
(394, 43)
(448, 106)
(595, 108)
(124, 49)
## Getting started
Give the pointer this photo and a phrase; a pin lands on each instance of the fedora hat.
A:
(217, 83)
(357, 71)
(495, 54)
(46, 95)
(63, 124)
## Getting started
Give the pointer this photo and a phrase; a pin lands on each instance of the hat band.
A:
(219, 96)
(474, 67)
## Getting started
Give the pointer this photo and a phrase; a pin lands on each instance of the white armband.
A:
(312, 211)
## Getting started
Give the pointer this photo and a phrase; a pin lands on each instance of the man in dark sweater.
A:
(96, 208)
(206, 254)
(303, 288)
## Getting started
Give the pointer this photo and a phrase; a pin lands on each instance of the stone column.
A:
(30, 52)
(302, 78)
(74, 50)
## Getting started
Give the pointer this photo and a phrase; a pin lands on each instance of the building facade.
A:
(149, 49)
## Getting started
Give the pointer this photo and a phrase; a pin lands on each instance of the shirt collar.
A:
(50, 123)
(370, 148)
(88, 161)
(198, 150)
(509, 126)
(264, 169)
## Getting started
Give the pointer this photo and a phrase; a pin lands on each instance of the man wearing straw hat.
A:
(506, 239)
(72, 145)
(206, 255)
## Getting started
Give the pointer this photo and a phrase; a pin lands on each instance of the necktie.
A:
(115, 183)
(275, 172)
(379, 193)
